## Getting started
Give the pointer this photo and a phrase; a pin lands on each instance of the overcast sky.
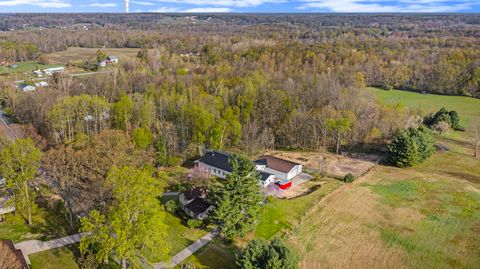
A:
(240, 6)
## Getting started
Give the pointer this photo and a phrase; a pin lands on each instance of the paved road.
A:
(6, 130)
(186, 252)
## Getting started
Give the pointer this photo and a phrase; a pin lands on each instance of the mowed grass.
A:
(421, 217)
(217, 254)
(277, 217)
(64, 257)
(179, 235)
(281, 214)
(77, 54)
(467, 107)
(23, 67)
(48, 223)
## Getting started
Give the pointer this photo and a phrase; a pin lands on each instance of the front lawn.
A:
(281, 214)
(64, 257)
(49, 222)
(179, 235)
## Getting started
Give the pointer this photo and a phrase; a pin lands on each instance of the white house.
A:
(217, 163)
(52, 70)
(282, 169)
(112, 59)
(41, 84)
(26, 88)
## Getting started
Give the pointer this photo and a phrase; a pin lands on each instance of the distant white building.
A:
(41, 84)
(112, 60)
(26, 88)
(52, 70)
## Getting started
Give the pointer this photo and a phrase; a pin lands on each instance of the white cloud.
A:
(102, 5)
(164, 10)
(41, 3)
(386, 6)
(142, 3)
(224, 3)
(208, 10)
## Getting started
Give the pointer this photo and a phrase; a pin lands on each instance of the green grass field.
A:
(63, 257)
(467, 107)
(48, 223)
(281, 214)
(23, 67)
(426, 216)
(77, 54)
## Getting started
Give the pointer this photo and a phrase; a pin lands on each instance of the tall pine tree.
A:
(238, 201)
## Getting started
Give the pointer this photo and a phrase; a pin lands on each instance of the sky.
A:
(241, 6)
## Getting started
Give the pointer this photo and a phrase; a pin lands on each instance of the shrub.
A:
(171, 206)
(410, 147)
(443, 115)
(262, 254)
(441, 127)
(349, 178)
(194, 223)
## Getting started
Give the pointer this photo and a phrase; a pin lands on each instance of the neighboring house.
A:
(112, 60)
(4, 209)
(102, 64)
(52, 70)
(41, 84)
(26, 88)
(38, 73)
(15, 255)
(194, 203)
(283, 170)
(216, 163)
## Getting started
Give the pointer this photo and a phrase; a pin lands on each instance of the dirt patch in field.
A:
(331, 164)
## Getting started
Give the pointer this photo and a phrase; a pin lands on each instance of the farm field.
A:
(427, 216)
(77, 54)
(467, 107)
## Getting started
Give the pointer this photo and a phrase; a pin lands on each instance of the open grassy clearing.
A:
(281, 214)
(23, 67)
(427, 216)
(399, 218)
(77, 54)
(179, 235)
(467, 107)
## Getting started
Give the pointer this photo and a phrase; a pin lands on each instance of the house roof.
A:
(217, 159)
(193, 193)
(275, 163)
(198, 206)
(264, 175)
(20, 260)
(112, 57)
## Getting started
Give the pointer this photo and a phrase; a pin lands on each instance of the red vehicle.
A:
(285, 184)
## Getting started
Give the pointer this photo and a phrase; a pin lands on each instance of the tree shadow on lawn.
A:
(51, 221)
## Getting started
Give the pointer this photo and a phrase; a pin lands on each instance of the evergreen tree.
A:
(259, 254)
(410, 147)
(238, 200)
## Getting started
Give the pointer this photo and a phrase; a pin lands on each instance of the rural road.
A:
(73, 75)
(4, 128)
